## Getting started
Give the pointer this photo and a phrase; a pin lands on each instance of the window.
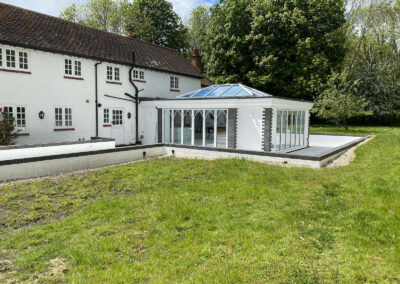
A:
(106, 116)
(117, 117)
(116, 74)
(14, 59)
(290, 125)
(113, 74)
(63, 120)
(10, 58)
(21, 122)
(109, 73)
(78, 68)
(138, 75)
(202, 127)
(174, 82)
(68, 67)
(23, 60)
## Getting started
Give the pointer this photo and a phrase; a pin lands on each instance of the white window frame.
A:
(138, 74)
(204, 111)
(66, 119)
(15, 113)
(112, 120)
(106, 116)
(17, 59)
(76, 68)
(113, 74)
(174, 83)
(294, 137)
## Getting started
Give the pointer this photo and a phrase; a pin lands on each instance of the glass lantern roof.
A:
(225, 91)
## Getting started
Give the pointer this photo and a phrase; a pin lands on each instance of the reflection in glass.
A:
(177, 127)
(198, 128)
(167, 126)
(221, 129)
(210, 128)
(187, 127)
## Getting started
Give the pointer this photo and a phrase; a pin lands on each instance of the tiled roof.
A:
(29, 29)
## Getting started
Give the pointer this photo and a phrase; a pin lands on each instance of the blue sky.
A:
(54, 7)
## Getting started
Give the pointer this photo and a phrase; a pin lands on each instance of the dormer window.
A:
(174, 83)
(138, 75)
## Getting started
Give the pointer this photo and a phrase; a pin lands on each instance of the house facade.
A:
(62, 81)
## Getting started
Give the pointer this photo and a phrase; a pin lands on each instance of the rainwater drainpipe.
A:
(135, 99)
(96, 103)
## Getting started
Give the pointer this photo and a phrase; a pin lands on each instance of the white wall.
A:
(46, 88)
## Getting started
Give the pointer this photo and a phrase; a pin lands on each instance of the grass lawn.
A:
(223, 221)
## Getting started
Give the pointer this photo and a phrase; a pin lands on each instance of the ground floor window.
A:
(290, 129)
(19, 115)
(200, 127)
(63, 116)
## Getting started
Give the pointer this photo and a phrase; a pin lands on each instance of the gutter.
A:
(96, 102)
(135, 99)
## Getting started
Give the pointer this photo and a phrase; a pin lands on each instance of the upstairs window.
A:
(138, 75)
(78, 68)
(174, 83)
(109, 73)
(10, 58)
(68, 67)
(23, 60)
(113, 74)
(73, 68)
(14, 59)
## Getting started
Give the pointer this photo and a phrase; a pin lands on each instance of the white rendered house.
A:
(65, 82)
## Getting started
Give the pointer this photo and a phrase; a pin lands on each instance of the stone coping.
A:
(93, 140)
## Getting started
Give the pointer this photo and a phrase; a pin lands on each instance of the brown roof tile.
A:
(26, 28)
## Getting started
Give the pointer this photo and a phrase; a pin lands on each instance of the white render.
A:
(46, 88)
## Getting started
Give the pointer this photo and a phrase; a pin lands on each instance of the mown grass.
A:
(223, 221)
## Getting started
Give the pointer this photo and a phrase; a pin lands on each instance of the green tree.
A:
(7, 128)
(226, 52)
(287, 47)
(157, 22)
(198, 26)
(100, 14)
(152, 21)
(339, 102)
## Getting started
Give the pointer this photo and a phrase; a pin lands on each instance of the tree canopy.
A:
(152, 21)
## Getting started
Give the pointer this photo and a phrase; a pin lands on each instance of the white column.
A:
(173, 126)
(204, 127)
(182, 126)
(192, 126)
(215, 127)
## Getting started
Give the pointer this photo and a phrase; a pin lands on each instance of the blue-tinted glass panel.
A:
(243, 93)
(203, 92)
(232, 91)
(218, 91)
(188, 95)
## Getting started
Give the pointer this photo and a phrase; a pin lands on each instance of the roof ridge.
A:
(89, 27)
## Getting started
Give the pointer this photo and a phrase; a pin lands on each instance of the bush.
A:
(7, 128)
